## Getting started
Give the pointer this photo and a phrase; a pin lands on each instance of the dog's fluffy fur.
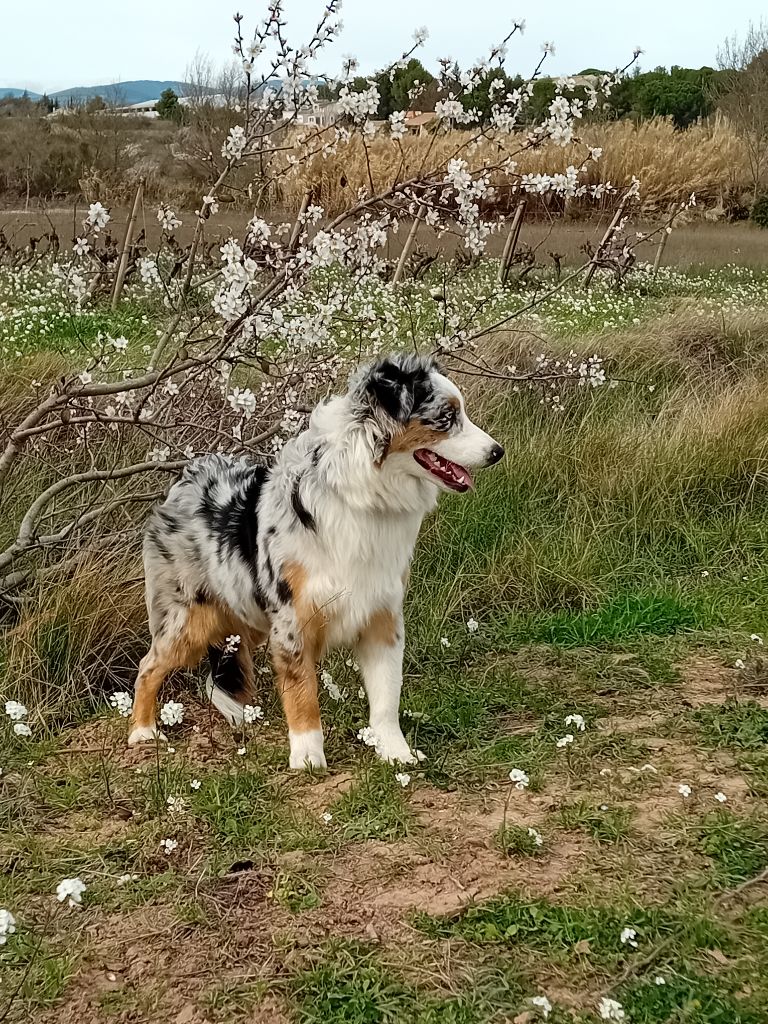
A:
(308, 554)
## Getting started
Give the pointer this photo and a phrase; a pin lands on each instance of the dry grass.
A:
(670, 164)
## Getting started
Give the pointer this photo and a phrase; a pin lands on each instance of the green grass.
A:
(604, 823)
(737, 846)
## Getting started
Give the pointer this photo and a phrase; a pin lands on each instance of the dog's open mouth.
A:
(449, 473)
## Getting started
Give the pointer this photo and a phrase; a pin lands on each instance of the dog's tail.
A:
(230, 684)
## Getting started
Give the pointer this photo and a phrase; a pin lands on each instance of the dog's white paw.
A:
(307, 750)
(145, 734)
(391, 746)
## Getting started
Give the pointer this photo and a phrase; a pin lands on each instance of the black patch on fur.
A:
(227, 672)
(315, 457)
(153, 538)
(171, 523)
(442, 418)
(400, 385)
(234, 523)
(303, 514)
(201, 597)
(284, 592)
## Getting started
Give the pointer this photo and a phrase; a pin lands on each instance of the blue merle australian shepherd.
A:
(308, 554)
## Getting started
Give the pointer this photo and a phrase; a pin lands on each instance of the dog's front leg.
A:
(296, 679)
(380, 654)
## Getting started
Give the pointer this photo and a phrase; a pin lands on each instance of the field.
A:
(591, 619)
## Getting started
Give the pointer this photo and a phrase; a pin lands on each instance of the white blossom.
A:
(609, 1009)
(565, 740)
(168, 846)
(22, 729)
(81, 247)
(520, 778)
(684, 790)
(172, 713)
(721, 798)
(15, 711)
(98, 216)
(70, 889)
(629, 937)
(403, 778)
(543, 1004)
(168, 219)
(7, 925)
(536, 836)
(472, 625)
(576, 720)
(122, 702)
(234, 147)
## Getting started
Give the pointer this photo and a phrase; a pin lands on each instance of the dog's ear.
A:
(393, 388)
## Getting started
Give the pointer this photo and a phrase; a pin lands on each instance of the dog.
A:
(310, 553)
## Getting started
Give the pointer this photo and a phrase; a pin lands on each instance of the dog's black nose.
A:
(495, 454)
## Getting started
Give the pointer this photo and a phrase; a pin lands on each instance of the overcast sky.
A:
(51, 45)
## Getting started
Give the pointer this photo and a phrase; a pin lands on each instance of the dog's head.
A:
(419, 424)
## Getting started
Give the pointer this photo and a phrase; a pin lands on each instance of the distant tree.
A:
(327, 91)
(94, 104)
(403, 80)
(46, 104)
(742, 89)
(168, 106)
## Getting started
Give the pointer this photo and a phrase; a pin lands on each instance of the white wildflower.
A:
(232, 643)
(757, 639)
(576, 720)
(629, 937)
(252, 713)
(168, 846)
(119, 344)
(70, 889)
(520, 779)
(660, 980)
(472, 625)
(241, 751)
(7, 925)
(537, 837)
(739, 663)
(122, 702)
(403, 778)
(15, 710)
(543, 1004)
(81, 247)
(327, 817)
(22, 729)
(721, 798)
(609, 1009)
(234, 147)
(126, 879)
(159, 454)
(684, 790)
(444, 641)
(565, 740)
(172, 713)
(195, 784)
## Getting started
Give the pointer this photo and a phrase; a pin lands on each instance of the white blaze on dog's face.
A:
(426, 429)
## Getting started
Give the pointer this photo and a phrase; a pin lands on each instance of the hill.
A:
(14, 94)
(122, 93)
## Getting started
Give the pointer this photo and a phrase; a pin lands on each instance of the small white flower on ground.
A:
(519, 777)
(704, 573)
(565, 740)
(629, 937)
(720, 797)
(70, 889)
(176, 804)
(537, 837)
(609, 1009)
(420, 755)
(757, 638)
(576, 720)
(15, 711)
(660, 980)
(332, 689)
(172, 713)
(122, 702)
(684, 790)
(195, 784)
(327, 817)
(472, 625)
(738, 663)
(368, 736)
(168, 846)
(403, 778)
(543, 1004)
(241, 751)
(444, 641)
(22, 729)
(649, 768)
(120, 344)
(125, 879)
(252, 713)
(7, 925)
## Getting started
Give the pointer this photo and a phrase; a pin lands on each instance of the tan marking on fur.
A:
(311, 619)
(295, 673)
(381, 628)
(205, 625)
(415, 435)
(296, 681)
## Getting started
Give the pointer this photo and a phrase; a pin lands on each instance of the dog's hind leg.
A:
(380, 654)
(181, 636)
